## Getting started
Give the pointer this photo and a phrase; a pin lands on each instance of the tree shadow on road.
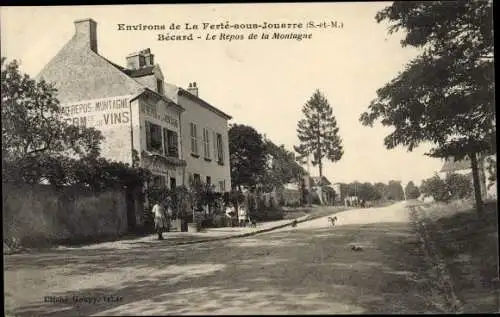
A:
(295, 271)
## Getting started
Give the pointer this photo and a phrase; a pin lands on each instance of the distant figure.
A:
(160, 219)
(230, 212)
(242, 215)
(169, 213)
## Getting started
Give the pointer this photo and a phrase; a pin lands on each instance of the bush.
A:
(261, 204)
(459, 185)
(436, 188)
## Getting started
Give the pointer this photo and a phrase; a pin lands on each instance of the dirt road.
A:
(307, 269)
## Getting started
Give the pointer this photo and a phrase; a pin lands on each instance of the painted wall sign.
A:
(98, 113)
(152, 111)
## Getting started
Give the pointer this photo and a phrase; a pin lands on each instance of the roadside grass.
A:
(469, 245)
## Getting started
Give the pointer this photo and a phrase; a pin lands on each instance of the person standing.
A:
(242, 215)
(160, 219)
(229, 211)
(169, 212)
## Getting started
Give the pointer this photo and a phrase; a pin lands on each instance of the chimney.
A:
(193, 89)
(140, 59)
(86, 31)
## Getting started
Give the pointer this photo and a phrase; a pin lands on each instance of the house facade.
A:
(129, 105)
(463, 167)
(205, 140)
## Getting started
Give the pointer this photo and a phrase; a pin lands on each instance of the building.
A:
(205, 140)
(130, 107)
(324, 190)
(126, 104)
(463, 167)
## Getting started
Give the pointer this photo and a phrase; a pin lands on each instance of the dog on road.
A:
(332, 220)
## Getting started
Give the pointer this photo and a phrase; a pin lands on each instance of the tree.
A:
(367, 192)
(283, 168)
(36, 142)
(381, 189)
(318, 133)
(436, 188)
(412, 191)
(32, 120)
(444, 96)
(247, 153)
(458, 185)
(395, 190)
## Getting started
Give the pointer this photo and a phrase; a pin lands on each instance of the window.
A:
(222, 186)
(197, 178)
(159, 86)
(153, 137)
(194, 139)
(158, 181)
(171, 143)
(220, 150)
(173, 183)
(206, 143)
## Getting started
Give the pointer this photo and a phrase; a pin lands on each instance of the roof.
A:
(144, 71)
(157, 95)
(324, 181)
(78, 73)
(129, 73)
(450, 165)
(182, 92)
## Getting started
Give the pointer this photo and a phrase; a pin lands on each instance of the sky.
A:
(261, 83)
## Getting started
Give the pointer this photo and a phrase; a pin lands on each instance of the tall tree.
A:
(395, 190)
(444, 96)
(411, 190)
(381, 189)
(318, 132)
(248, 158)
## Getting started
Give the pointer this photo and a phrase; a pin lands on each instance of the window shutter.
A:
(214, 135)
(175, 145)
(208, 143)
(166, 150)
(148, 136)
(196, 139)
